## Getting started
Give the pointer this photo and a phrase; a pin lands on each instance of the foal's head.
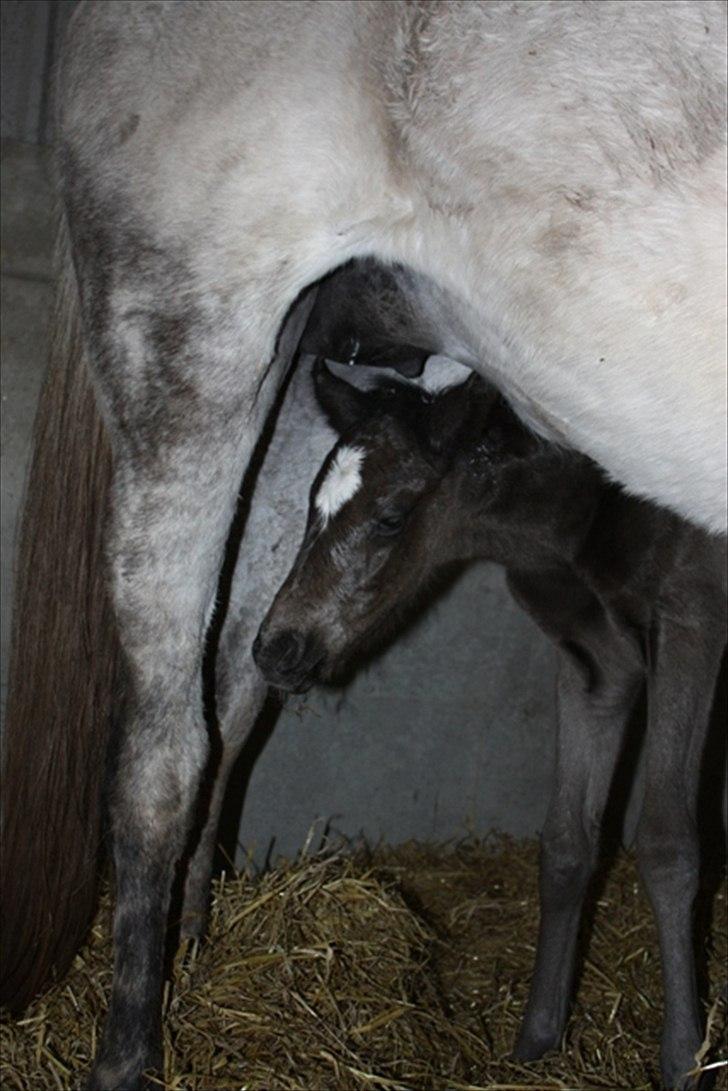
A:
(416, 481)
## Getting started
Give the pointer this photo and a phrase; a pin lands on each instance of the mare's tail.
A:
(61, 676)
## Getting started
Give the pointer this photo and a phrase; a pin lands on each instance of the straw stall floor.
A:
(393, 969)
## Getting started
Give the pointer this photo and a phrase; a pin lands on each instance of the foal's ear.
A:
(345, 405)
(450, 415)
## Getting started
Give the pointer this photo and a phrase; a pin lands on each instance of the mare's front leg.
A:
(687, 650)
(600, 671)
(184, 416)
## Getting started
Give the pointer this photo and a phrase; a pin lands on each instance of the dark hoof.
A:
(138, 1083)
(532, 1047)
(677, 1081)
(193, 926)
(105, 1077)
(678, 1063)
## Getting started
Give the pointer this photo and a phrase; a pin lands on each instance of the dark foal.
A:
(627, 591)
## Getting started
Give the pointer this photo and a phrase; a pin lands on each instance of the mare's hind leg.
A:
(598, 681)
(687, 653)
(184, 423)
(172, 508)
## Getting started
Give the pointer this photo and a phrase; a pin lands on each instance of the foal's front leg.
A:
(686, 658)
(594, 704)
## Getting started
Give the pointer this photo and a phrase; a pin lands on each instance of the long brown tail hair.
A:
(61, 673)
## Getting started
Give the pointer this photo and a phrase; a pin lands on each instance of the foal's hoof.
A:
(532, 1047)
(677, 1064)
(679, 1081)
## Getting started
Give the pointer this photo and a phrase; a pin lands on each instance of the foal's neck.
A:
(532, 505)
(532, 512)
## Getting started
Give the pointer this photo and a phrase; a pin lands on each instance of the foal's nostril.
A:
(290, 649)
(290, 660)
(282, 653)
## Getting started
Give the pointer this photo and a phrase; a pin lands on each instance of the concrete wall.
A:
(30, 33)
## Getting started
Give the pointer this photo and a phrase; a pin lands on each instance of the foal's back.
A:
(551, 517)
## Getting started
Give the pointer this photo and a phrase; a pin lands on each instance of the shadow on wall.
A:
(619, 826)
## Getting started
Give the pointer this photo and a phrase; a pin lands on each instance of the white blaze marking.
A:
(341, 482)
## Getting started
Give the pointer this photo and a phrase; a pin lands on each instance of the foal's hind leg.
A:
(687, 654)
(597, 686)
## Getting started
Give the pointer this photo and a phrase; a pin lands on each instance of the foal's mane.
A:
(457, 420)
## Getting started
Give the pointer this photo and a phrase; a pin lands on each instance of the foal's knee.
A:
(668, 850)
(567, 862)
(669, 860)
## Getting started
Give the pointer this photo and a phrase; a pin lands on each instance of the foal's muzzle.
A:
(289, 659)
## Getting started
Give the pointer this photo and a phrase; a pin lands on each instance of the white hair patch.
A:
(341, 482)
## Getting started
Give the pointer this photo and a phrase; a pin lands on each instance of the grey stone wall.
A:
(30, 34)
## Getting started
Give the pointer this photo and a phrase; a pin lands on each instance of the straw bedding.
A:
(400, 968)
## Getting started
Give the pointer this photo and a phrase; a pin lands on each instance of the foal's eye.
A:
(386, 526)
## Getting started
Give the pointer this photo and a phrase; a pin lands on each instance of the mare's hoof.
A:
(109, 1077)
